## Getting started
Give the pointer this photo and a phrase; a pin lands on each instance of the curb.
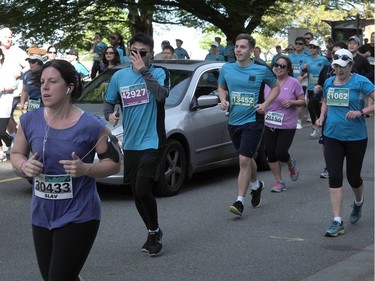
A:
(358, 267)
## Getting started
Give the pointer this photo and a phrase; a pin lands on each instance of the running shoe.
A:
(3, 157)
(155, 243)
(293, 170)
(299, 125)
(355, 214)
(335, 229)
(324, 174)
(256, 200)
(146, 246)
(236, 208)
(314, 134)
(278, 187)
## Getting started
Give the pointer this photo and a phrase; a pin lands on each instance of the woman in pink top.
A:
(281, 121)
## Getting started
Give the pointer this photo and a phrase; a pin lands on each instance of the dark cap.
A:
(73, 52)
(356, 39)
(165, 42)
(179, 40)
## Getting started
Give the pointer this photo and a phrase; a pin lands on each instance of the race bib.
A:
(134, 95)
(338, 97)
(244, 99)
(274, 118)
(33, 104)
(53, 187)
(313, 78)
(296, 70)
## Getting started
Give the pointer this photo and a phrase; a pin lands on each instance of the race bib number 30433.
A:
(134, 95)
(53, 187)
(338, 96)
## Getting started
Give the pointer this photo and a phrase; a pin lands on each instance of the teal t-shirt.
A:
(244, 85)
(340, 100)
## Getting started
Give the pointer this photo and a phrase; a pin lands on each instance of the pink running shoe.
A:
(278, 187)
(293, 170)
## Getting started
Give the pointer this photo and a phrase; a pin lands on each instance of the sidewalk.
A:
(358, 267)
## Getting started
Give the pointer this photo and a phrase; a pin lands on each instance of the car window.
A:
(207, 84)
(94, 91)
(180, 80)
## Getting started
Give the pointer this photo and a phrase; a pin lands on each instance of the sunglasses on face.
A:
(291, 49)
(53, 53)
(313, 47)
(32, 61)
(299, 43)
(343, 57)
(109, 53)
(141, 53)
(282, 66)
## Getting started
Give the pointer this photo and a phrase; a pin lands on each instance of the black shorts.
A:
(246, 138)
(140, 163)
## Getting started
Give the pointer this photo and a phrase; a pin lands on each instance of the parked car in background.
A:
(196, 127)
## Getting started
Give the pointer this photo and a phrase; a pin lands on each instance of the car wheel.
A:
(173, 168)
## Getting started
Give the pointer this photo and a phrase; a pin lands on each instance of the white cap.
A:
(215, 44)
(315, 43)
(35, 57)
(340, 53)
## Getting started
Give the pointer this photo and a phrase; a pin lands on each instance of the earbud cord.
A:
(47, 130)
(48, 127)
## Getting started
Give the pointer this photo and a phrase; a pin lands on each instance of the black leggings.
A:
(62, 252)
(4, 136)
(140, 169)
(313, 106)
(334, 153)
(277, 143)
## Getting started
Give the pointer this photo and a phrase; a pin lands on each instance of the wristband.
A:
(23, 162)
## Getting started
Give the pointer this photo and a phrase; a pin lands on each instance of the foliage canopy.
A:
(73, 22)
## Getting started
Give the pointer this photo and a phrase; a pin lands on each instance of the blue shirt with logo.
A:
(314, 66)
(298, 60)
(244, 85)
(143, 121)
(344, 98)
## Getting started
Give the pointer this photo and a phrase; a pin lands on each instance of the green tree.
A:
(69, 21)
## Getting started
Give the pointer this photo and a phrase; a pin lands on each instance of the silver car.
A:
(196, 127)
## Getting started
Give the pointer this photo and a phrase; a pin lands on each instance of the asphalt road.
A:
(282, 240)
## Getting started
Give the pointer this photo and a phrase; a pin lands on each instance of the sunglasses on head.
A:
(141, 53)
(282, 66)
(53, 53)
(343, 57)
(300, 43)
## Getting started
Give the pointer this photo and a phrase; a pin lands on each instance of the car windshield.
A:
(94, 92)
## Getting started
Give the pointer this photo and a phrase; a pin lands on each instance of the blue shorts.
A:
(246, 138)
